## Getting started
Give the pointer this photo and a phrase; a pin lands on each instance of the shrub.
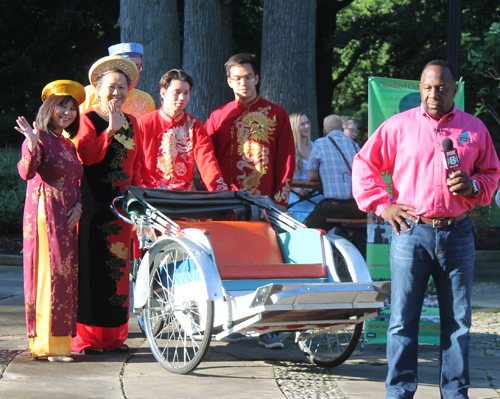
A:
(8, 135)
(12, 193)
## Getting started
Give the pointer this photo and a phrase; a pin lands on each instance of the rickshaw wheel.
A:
(331, 348)
(140, 317)
(178, 315)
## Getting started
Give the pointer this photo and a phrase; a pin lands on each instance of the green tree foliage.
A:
(247, 26)
(44, 40)
(482, 63)
(396, 39)
(41, 41)
(383, 38)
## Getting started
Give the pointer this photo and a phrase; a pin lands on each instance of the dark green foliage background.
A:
(396, 39)
(13, 192)
(45, 40)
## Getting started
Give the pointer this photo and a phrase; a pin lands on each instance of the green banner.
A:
(388, 97)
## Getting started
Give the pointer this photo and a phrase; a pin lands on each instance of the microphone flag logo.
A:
(450, 155)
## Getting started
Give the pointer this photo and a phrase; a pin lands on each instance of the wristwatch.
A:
(475, 187)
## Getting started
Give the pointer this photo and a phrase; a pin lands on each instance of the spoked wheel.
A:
(330, 349)
(140, 321)
(178, 315)
(140, 317)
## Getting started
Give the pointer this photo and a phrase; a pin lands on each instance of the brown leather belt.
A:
(442, 222)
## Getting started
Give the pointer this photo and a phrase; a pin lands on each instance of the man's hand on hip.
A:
(396, 214)
(459, 183)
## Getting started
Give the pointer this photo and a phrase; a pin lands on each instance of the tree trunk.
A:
(154, 24)
(327, 11)
(207, 46)
(288, 62)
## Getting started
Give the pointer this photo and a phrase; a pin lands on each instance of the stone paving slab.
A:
(367, 382)
(251, 350)
(86, 377)
(229, 370)
(363, 375)
(243, 368)
(144, 378)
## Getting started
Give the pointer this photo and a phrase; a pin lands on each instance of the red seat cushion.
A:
(250, 250)
(236, 243)
(280, 271)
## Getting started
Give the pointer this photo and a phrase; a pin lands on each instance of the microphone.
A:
(450, 155)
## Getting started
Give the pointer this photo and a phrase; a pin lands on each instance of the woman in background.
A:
(108, 144)
(301, 128)
(53, 207)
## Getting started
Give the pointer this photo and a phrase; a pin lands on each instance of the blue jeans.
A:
(446, 254)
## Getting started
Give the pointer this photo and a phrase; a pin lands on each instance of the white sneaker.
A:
(270, 341)
(65, 359)
(235, 337)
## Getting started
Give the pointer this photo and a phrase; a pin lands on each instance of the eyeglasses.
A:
(350, 128)
(249, 78)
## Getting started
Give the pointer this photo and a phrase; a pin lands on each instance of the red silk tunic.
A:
(255, 148)
(171, 145)
(53, 172)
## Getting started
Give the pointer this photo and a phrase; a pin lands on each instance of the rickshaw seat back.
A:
(253, 250)
(302, 246)
(236, 242)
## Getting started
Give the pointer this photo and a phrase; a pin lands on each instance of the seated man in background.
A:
(138, 102)
(330, 162)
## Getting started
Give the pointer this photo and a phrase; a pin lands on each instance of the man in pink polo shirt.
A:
(432, 232)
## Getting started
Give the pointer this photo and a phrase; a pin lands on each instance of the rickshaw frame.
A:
(186, 298)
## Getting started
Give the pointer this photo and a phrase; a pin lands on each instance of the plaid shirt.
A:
(334, 173)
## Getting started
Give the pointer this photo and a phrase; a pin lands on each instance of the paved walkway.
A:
(239, 370)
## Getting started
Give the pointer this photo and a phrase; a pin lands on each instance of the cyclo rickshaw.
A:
(217, 263)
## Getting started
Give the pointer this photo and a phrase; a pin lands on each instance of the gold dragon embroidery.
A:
(176, 142)
(254, 131)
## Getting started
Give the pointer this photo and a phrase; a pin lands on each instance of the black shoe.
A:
(122, 348)
(92, 351)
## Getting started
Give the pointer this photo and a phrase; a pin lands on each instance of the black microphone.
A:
(450, 155)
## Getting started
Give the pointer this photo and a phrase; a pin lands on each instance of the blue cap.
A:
(127, 50)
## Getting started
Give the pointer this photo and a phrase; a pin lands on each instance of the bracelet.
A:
(79, 207)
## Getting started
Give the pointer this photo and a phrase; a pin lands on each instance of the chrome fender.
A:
(200, 256)
(355, 261)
